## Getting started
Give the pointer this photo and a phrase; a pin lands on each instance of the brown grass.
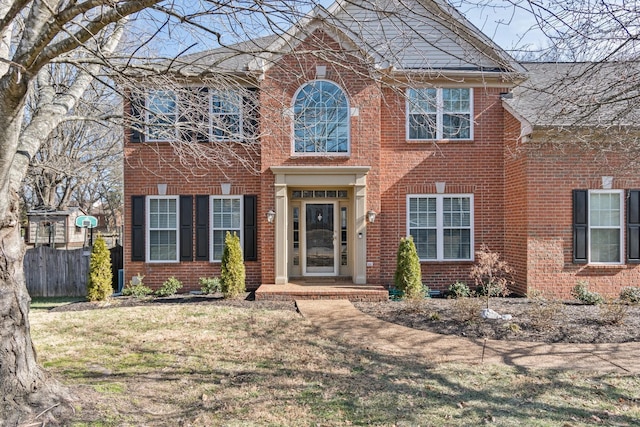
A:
(205, 365)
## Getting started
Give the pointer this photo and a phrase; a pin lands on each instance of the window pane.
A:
(605, 245)
(161, 114)
(456, 126)
(456, 100)
(604, 209)
(426, 244)
(457, 244)
(162, 245)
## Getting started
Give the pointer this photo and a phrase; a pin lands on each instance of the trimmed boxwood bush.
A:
(408, 277)
(99, 286)
(232, 272)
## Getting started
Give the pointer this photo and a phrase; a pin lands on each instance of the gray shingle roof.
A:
(579, 94)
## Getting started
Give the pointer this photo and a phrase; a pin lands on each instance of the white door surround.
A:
(320, 176)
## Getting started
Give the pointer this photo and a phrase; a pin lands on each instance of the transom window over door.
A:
(321, 119)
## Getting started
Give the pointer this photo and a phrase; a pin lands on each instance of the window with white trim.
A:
(321, 119)
(226, 114)
(441, 226)
(162, 232)
(162, 115)
(606, 217)
(439, 113)
(226, 215)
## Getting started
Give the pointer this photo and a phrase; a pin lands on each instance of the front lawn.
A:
(211, 364)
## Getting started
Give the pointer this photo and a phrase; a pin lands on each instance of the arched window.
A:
(321, 119)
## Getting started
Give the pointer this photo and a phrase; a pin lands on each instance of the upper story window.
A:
(321, 119)
(162, 115)
(441, 226)
(226, 115)
(162, 233)
(439, 113)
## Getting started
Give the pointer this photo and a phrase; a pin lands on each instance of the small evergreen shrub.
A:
(582, 293)
(459, 290)
(232, 272)
(99, 286)
(136, 288)
(408, 277)
(210, 285)
(630, 294)
(169, 287)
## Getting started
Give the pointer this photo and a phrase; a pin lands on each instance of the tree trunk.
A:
(25, 389)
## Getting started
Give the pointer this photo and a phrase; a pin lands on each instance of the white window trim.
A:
(439, 115)
(621, 227)
(291, 113)
(148, 229)
(212, 229)
(148, 116)
(236, 136)
(440, 226)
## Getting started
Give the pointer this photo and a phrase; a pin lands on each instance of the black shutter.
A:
(580, 225)
(251, 115)
(250, 228)
(202, 127)
(202, 228)
(137, 228)
(186, 228)
(136, 109)
(633, 226)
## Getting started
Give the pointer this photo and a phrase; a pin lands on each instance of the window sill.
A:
(607, 266)
(446, 261)
(440, 141)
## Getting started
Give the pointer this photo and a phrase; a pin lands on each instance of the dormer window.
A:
(321, 119)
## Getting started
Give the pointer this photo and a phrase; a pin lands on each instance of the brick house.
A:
(340, 138)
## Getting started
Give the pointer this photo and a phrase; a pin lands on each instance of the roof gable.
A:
(404, 35)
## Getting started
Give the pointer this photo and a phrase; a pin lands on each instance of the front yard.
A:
(214, 363)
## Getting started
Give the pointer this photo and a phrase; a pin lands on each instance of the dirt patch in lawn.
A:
(531, 320)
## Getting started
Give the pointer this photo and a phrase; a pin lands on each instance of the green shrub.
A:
(136, 288)
(169, 287)
(210, 285)
(408, 277)
(459, 290)
(232, 272)
(99, 286)
(582, 293)
(630, 294)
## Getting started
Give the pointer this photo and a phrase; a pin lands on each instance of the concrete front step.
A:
(317, 291)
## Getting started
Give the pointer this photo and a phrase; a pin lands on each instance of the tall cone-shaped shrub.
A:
(99, 286)
(408, 277)
(232, 273)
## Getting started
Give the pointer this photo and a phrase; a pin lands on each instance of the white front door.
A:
(320, 239)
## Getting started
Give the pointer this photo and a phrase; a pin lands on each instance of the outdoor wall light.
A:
(371, 216)
(271, 215)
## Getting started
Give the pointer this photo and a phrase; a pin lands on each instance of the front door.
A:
(320, 240)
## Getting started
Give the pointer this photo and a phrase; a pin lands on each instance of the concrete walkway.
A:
(340, 319)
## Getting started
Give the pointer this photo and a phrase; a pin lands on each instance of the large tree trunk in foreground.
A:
(25, 390)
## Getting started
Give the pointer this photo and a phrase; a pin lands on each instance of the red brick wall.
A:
(466, 167)
(553, 174)
(146, 165)
(516, 204)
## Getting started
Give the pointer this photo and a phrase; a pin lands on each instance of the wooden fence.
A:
(55, 273)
